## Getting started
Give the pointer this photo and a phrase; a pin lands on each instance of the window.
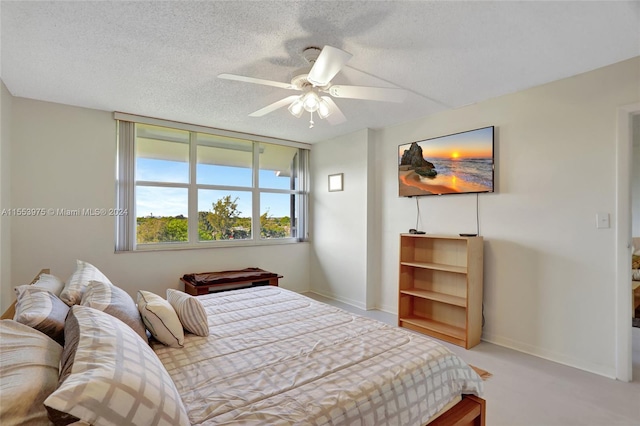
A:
(189, 186)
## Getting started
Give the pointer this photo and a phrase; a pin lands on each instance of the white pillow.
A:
(29, 370)
(190, 312)
(50, 283)
(114, 301)
(77, 283)
(109, 376)
(160, 319)
(42, 310)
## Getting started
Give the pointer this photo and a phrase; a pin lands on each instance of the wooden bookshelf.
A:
(440, 287)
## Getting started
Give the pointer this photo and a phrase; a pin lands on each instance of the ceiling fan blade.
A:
(274, 106)
(335, 115)
(256, 81)
(329, 63)
(368, 93)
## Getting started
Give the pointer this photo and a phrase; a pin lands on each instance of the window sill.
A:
(210, 245)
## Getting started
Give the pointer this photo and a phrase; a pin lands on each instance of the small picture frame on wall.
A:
(335, 182)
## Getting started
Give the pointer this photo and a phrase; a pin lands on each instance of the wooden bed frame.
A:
(470, 411)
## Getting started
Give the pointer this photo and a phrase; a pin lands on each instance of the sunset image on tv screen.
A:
(453, 164)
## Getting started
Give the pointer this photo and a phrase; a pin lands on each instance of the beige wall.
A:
(345, 253)
(549, 273)
(6, 289)
(64, 157)
(635, 179)
(338, 267)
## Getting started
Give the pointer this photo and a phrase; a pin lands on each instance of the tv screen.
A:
(461, 163)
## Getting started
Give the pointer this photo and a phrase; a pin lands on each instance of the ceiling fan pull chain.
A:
(311, 121)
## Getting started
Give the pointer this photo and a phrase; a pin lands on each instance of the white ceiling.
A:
(161, 59)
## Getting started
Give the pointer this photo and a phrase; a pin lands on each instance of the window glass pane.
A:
(156, 173)
(277, 166)
(161, 215)
(276, 211)
(224, 161)
(224, 215)
(162, 154)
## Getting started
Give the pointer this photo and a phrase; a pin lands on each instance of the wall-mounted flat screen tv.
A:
(460, 163)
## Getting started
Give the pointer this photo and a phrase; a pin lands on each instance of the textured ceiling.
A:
(161, 59)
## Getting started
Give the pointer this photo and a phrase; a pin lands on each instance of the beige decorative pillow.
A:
(29, 371)
(42, 310)
(50, 283)
(190, 312)
(114, 301)
(77, 283)
(161, 319)
(109, 376)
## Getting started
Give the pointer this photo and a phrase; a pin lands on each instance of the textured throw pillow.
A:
(114, 301)
(50, 283)
(29, 370)
(77, 283)
(38, 308)
(190, 312)
(109, 376)
(161, 319)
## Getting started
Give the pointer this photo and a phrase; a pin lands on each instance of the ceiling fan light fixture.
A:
(311, 101)
(323, 109)
(297, 107)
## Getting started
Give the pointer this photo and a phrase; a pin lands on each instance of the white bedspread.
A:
(276, 357)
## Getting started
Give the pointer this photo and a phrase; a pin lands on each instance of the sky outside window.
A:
(174, 200)
(162, 155)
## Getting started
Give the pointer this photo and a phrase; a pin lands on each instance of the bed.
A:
(271, 357)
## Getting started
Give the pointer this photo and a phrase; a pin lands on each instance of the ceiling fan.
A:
(314, 81)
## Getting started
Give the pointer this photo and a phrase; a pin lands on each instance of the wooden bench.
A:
(205, 282)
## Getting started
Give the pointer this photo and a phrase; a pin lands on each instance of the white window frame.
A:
(126, 187)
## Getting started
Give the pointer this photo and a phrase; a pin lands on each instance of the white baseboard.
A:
(549, 355)
(390, 309)
(348, 301)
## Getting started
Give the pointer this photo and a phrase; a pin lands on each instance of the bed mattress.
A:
(279, 358)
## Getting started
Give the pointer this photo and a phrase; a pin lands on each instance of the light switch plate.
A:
(602, 220)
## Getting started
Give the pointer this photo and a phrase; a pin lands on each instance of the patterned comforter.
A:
(274, 357)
